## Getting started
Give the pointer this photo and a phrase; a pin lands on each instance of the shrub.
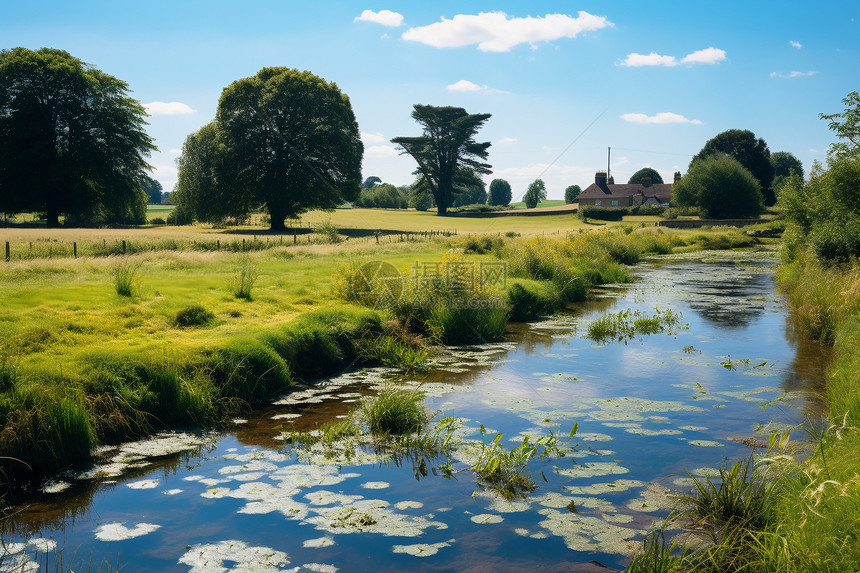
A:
(480, 245)
(721, 187)
(602, 213)
(330, 233)
(648, 210)
(194, 315)
(157, 221)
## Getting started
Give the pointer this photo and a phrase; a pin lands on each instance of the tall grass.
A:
(125, 277)
(244, 277)
(394, 411)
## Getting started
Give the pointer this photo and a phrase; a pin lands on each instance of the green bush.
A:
(602, 213)
(648, 210)
(721, 187)
(480, 245)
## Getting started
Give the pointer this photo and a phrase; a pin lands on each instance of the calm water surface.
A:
(648, 410)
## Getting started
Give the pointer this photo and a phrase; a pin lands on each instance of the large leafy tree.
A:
(571, 192)
(535, 193)
(721, 187)
(646, 172)
(72, 140)
(500, 192)
(784, 163)
(750, 151)
(199, 193)
(153, 190)
(847, 127)
(447, 154)
(290, 143)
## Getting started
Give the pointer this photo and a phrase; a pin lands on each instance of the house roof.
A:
(662, 191)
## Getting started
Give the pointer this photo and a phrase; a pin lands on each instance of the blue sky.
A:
(563, 80)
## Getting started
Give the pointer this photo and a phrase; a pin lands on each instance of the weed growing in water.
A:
(625, 325)
(125, 277)
(244, 278)
(505, 472)
(658, 555)
(394, 411)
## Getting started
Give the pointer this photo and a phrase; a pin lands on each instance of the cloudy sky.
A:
(563, 81)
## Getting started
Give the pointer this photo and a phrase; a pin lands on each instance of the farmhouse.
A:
(603, 193)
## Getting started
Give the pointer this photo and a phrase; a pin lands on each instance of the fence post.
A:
(243, 245)
(8, 254)
(123, 246)
(75, 249)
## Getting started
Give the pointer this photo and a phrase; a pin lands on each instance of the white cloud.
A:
(796, 44)
(176, 151)
(794, 74)
(383, 17)
(653, 59)
(707, 56)
(467, 86)
(661, 118)
(463, 86)
(369, 138)
(380, 151)
(165, 108)
(496, 32)
(505, 140)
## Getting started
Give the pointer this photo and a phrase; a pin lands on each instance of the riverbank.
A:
(196, 337)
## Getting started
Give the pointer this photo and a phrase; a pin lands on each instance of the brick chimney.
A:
(600, 181)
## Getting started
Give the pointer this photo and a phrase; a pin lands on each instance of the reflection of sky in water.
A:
(647, 410)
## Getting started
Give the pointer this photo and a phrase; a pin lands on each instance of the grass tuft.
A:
(125, 277)
(244, 278)
(193, 315)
